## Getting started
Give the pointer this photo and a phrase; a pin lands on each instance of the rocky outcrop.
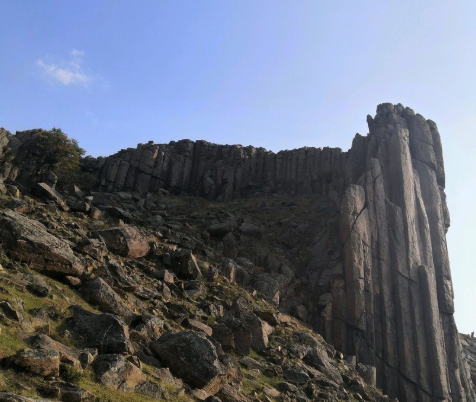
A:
(220, 171)
(370, 271)
(468, 342)
(391, 300)
(398, 301)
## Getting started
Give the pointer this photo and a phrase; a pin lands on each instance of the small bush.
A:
(70, 374)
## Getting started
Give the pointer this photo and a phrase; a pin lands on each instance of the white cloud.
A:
(68, 72)
(77, 53)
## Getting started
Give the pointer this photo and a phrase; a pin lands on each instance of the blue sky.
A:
(278, 74)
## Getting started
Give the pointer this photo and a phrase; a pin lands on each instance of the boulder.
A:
(43, 190)
(76, 205)
(197, 326)
(119, 213)
(38, 286)
(149, 329)
(116, 372)
(258, 328)
(155, 220)
(105, 332)
(230, 394)
(193, 357)
(28, 241)
(99, 293)
(241, 337)
(188, 267)
(67, 392)
(38, 361)
(224, 336)
(125, 241)
(221, 229)
(296, 375)
(317, 358)
(78, 358)
(250, 229)
(13, 310)
(268, 287)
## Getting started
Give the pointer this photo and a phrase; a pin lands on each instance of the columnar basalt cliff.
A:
(376, 280)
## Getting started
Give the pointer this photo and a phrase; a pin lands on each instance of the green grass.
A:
(21, 383)
(105, 394)
(256, 385)
(10, 342)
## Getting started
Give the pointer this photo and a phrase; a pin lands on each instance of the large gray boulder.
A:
(28, 241)
(125, 241)
(78, 358)
(38, 361)
(99, 293)
(43, 190)
(193, 357)
(116, 372)
(105, 332)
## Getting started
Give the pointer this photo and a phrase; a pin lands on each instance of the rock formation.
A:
(375, 279)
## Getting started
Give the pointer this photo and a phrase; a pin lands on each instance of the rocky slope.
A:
(189, 250)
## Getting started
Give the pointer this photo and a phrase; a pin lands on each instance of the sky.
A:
(277, 74)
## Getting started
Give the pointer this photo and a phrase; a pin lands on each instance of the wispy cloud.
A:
(67, 72)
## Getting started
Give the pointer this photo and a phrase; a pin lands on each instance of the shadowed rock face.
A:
(383, 291)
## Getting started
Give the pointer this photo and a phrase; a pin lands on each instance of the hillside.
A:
(199, 271)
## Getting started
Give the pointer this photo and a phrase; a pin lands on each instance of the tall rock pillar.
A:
(394, 220)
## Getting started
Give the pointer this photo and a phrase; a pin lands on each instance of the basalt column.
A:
(397, 277)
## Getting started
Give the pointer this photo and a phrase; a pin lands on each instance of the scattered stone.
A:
(125, 241)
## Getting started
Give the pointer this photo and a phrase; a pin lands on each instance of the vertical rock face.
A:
(382, 288)
(398, 250)
(220, 172)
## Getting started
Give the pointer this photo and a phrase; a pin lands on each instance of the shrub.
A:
(59, 151)
(62, 156)
(70, 374)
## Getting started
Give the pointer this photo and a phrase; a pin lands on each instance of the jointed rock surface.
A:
(232, 273)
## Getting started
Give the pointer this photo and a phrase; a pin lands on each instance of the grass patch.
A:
(10, 342)
(20, 383)
(105, 394)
